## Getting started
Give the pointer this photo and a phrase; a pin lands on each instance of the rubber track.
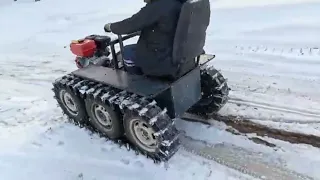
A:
(122, 101)
(215, 92)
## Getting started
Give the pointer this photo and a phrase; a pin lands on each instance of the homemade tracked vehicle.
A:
(140, 109)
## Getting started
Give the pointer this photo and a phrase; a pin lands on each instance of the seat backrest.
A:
(191, 29)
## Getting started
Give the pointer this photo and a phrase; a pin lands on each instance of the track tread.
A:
(215, 92)
(167, 134)
(122, 101)
(67, 82)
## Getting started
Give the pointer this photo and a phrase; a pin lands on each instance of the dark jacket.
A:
(157, 22)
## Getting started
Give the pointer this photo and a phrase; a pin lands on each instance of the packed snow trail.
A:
(264, 105)
(243, 126)
(240, 159)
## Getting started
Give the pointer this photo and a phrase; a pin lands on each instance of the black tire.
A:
(164, 134)
(215, 93)
(62, 92)
(113, 129)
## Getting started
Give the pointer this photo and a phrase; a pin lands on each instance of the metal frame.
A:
(120, 40)
(177, 96)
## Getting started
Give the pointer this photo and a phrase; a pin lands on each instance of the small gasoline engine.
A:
(92, 49)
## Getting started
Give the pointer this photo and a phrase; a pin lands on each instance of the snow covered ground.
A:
(271, 57)
(268, 51)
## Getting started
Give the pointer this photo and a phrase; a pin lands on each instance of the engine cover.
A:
(83, 48)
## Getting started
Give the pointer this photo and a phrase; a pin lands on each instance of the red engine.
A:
(83, 48)
(90, 50)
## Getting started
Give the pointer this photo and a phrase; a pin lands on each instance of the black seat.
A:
(190, 35)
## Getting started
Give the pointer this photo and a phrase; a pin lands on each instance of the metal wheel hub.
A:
(102, 115)
(69, 102)
(144, 135)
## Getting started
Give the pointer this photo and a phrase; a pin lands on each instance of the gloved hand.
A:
(107, 27)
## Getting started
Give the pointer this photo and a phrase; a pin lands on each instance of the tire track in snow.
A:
(279, 108)
(239, 159)
(244, 126)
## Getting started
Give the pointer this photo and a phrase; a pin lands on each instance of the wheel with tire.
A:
(71, 104)
(215, 92)
(140, 133)
(150, 130)
(104, 119)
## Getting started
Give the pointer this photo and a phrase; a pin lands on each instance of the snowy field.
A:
(269, 51)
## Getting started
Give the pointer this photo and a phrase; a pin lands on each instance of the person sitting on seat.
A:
(156, 22)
